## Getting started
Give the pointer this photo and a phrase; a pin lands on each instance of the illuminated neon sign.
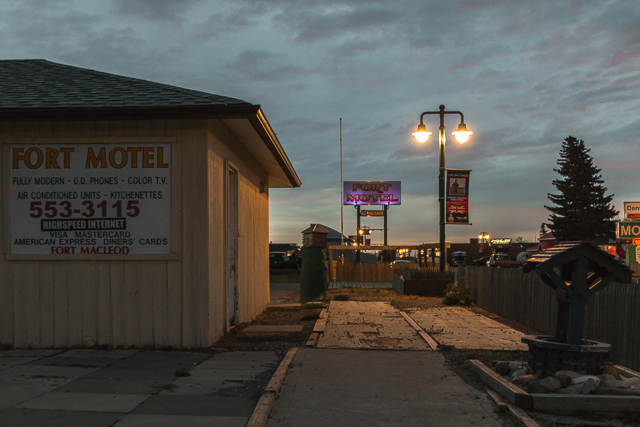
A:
(371, 193)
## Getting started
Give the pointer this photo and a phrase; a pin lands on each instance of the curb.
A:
(318, 328)
(518, 413)
(268, 399)
(425, 336)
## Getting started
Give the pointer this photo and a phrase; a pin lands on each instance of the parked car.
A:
(277, 260)
(459, 258)
(481, 261)
(280, 261)
(502, 261)
(524, 256)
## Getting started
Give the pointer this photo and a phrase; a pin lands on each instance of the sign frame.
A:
(634, 207)
(377, 193)
(500, 241)
(371, 213)
(175, 237)
(628, 229)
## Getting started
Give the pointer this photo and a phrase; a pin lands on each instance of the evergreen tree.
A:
(582, 211)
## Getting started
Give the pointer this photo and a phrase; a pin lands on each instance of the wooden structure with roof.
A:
(209, 270)
(576, 270)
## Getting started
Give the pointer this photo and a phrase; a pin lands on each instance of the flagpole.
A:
(341, 191)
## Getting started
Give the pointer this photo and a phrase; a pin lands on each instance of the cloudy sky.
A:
(525, 74)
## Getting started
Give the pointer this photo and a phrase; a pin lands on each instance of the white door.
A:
(232, 234)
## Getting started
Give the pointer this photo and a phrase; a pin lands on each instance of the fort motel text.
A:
(90, 199)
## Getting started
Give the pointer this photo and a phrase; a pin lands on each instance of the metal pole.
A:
(341, 191)
(385, 255)
(386, 210)
(358, 233)
(441, 198)
(441, 177)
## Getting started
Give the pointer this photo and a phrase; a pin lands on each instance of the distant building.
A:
(546, 241)
(334, 237)
(134, 213)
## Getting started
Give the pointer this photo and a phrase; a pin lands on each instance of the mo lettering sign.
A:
(371, 193)
(90, 199)
(628, 230)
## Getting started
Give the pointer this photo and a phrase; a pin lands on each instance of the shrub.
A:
(456, 293)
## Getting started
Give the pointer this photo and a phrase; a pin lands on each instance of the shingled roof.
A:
(37, 89)
(38, 83)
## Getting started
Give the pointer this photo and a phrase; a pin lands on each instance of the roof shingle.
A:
(38, 83)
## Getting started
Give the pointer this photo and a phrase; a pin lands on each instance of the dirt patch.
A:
(284, 276)
(305, 315)
(399, 301)
(508, 322)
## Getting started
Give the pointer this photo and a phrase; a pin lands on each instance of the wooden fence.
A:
(612, 315)
(360, 272)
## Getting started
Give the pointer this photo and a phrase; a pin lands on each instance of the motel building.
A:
(133, 213)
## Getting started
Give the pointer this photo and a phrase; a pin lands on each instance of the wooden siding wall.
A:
(253, 224)
(611, 316)
(145, 303)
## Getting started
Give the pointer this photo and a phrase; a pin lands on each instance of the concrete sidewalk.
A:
(377, 388)
(357, 376)
(87, 387)
(344, 385)
(368, 325)
(463, 329)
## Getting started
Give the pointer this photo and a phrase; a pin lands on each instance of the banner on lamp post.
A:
(457, 206)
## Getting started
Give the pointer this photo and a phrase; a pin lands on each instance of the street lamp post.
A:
(461, 135)
(483, 237)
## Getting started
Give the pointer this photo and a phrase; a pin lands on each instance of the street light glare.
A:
(462, 134)
(422, 134)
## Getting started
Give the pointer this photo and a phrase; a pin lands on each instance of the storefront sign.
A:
(371, 193)
(371, 213)
(497, 242)
(628, 230)
(631, 210)
(95, 199)
(457, 207)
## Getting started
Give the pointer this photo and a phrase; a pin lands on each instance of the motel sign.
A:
(628, 230)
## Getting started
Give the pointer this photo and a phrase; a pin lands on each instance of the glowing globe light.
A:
(462, 134)
(422, 134)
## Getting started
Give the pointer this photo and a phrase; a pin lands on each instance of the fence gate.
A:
(344, 273)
